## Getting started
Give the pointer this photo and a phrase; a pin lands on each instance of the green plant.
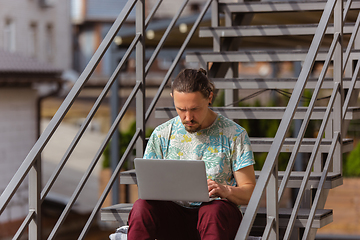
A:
(351, 167)
(124, 140)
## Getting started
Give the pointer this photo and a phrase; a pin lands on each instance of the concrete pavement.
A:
(76, 166)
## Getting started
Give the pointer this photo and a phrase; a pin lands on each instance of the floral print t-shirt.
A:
(224, 146)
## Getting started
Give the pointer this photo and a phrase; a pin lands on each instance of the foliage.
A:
(351, 167)
(124, 140)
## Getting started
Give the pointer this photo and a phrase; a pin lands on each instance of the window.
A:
(47, 3)
(9, 36)
(33, 39)
(49, 43)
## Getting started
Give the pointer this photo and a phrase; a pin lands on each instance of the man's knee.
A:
(220, 211)
(141, 207)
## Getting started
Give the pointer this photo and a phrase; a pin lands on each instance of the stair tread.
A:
(261, 112)
(261, 7)
(120, 212)
(260, 55)
(274, 83)
(332, 179)
(268, 30)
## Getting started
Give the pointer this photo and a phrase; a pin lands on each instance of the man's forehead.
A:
(188, 100)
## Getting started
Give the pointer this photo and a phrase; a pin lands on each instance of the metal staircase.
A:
(331, 41)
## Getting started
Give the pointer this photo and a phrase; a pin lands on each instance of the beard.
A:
(191, 129)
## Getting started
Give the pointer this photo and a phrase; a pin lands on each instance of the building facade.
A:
(40, 29)
(35, 49)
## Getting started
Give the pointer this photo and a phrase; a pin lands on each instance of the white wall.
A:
(18, 135)
(54, 48)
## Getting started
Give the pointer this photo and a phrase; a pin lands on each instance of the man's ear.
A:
(171, 95)
(211, 95)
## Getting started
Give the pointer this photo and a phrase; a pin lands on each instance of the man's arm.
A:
(240, 195)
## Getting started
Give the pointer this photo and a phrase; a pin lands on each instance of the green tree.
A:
(352, 163)
(124, 140)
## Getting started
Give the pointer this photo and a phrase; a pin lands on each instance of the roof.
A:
(16, 68)
(16, 63)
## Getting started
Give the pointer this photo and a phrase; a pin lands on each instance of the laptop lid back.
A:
(172, 180)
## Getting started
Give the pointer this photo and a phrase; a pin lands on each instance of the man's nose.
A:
(188, 116)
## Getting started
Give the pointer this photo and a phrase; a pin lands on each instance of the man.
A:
(198, 133)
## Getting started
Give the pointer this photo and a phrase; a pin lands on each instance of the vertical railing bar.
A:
(152, 13)
(140, 77)
(164, 37)
(320, 185)
(176, 60)
(91, 114)
(272, 205)
(346, 9)
(34, 230)
(268, 227)
(24, 224)
(86, 175)
(351, 41)
(40, 144)
(306, 177)
(307, 117)
(107, 189)
(338, 73)
(254, 202)
(351, 89)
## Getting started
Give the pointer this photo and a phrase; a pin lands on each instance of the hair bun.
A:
(203, 71)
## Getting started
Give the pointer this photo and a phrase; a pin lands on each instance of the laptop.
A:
(171, 180)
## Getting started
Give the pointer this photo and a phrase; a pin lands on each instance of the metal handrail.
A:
(351, 41)
(268, 227)
(274, 151)
(84, 125)
(152, 13)
(40, 144)
(316, 200)
(88, 118)
(351, 88)
(346, 9)
(24, 224)
(91, 167)
(307, 116)
(164, 37)
(54, 123)
(271, 159)
(311, 162)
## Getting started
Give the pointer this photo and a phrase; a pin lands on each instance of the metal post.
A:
(215, 23)
(338, 77)
(140, 76)
(34, 200)
(272, 206)
(114, 147)
(231, 95)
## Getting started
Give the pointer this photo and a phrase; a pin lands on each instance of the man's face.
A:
(193, 109)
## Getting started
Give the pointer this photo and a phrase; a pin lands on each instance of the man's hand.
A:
(217, 189)
(240, 194)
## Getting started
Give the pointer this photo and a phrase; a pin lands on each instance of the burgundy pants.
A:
(165, 220)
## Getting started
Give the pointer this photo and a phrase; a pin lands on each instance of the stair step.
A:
(268, 30)
(261, 112)
(264, 144)
(332, 180)
(274, 7)
(120, 213)
(275, 83)
(259, 56)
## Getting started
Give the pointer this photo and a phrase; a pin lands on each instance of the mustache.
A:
(192, 122)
